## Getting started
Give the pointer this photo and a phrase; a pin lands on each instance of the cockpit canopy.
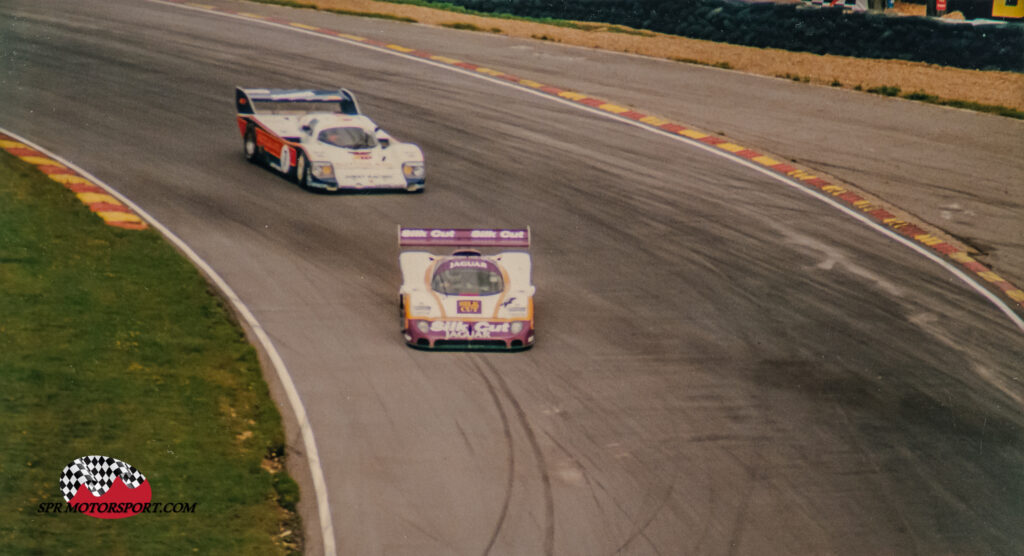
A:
(467, 276)
(347, 137)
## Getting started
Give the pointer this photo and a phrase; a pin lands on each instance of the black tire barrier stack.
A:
(998, 46)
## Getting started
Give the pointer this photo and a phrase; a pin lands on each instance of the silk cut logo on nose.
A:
(471, 306)
(104, 487)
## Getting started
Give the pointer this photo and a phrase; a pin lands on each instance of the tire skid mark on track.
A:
(897, 515)
(640, 531)
(538, 454)
(742, 512)
(1005, 295)
(510, 444)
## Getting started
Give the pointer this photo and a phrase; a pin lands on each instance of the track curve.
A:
(722, 367)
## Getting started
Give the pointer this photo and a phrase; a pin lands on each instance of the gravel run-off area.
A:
(999, 88)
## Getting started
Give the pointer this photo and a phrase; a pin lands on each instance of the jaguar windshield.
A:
(475, 280)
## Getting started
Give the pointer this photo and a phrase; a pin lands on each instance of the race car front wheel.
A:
(302, 171)
(249, 146)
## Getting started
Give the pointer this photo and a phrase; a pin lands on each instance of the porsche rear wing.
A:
(464, 237)
(250, 101)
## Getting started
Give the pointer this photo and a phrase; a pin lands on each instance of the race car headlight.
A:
(423, 326)
(323, 170)
(517, 327)
(414, 170)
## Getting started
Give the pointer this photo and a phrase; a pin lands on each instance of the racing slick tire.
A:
(403, 324)
(249, 147)
(302, 171)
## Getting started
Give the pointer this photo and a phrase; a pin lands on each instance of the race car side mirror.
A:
(306, 129)
(384, 142)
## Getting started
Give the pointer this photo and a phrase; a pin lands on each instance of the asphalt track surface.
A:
(724, 365)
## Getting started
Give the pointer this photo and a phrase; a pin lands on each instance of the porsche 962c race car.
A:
(321, 139)
(466, 300)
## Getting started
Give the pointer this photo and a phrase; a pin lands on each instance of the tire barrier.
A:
(989, 46)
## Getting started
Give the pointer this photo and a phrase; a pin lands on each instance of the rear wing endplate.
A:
(346, 101)
(464, 237)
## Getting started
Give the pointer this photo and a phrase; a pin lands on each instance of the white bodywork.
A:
(389, 164)
(422, 302)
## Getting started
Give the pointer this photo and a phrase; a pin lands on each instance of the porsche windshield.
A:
(296, 108)
(348, 138)
(467, 281)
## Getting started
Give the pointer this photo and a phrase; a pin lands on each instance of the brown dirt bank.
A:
(985, 87)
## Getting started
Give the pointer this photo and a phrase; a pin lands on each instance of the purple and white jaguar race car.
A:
(466, 300)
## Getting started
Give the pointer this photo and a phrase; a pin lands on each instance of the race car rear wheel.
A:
(249, 147)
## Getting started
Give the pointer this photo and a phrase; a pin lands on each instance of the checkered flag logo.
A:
(97, 473)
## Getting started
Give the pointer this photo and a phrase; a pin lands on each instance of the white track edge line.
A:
(309, 443)
(952, 269)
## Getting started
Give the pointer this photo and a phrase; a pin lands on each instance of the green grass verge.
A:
(921, 96)
(112, 344)
(722, 65)
(628, 31)
(449, 7)
(311, 6)
(470, 27)
(966, 104)
(374, 15)
(885, 90)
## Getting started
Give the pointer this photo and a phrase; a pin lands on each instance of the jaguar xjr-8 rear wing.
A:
(463, 237)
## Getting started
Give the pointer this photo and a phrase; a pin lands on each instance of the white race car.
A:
(466, 300)
(321, 139)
